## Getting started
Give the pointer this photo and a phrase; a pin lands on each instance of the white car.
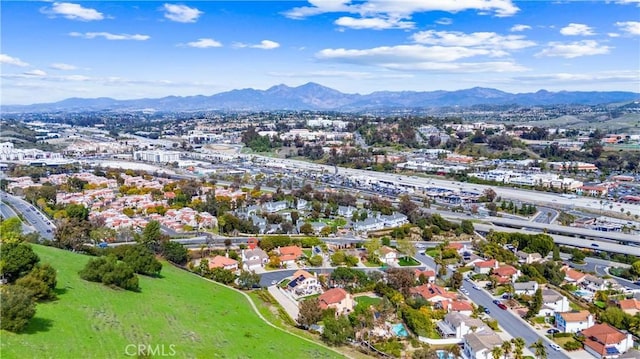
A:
(555, 347)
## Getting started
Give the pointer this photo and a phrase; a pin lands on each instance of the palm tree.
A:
(496, 352)
(539, 349)
(519, 344)
(506, 348)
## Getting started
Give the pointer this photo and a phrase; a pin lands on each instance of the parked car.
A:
(594, 245)
(553, 331)
(486, 310)
(555, 347)
(502, 306)
(476, 287)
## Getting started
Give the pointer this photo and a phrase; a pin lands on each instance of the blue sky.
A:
(125, 49)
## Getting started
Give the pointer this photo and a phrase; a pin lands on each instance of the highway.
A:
(545, 215)
(7, 212)
(36, 219)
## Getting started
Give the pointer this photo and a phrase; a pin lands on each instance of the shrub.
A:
(109, 271)
(572, 345)
(17, 308)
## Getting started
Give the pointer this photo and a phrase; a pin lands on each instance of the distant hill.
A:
(312, 96)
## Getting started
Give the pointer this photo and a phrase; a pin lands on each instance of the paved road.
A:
(509, 321)
(32, 215)
(8, 212)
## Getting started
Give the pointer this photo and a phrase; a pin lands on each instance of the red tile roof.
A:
(505, 271)
(604, 334)
(291, 250)
(429, 291)
(221, 262)
(627, 304)
(491, 263)
(332, 296)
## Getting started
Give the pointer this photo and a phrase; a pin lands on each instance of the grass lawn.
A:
(432, 252)
(408, 261)
(201, 319)
(366, 300)
(307, 252)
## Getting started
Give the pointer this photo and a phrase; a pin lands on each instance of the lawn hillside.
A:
(201, 319)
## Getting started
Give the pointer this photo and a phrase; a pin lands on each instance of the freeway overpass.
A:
(623, 238)
(568, 241)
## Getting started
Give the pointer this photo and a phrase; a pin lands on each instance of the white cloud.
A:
(63, 67)
(444, 21)
(374, 23)
(520, 27)
(630, 27)
(476, 39)
(460, 67)
(181, 13)
(6, 59)
(574, 49)
(36, 72)
(263, 45)
(110, 36)
(574, 29)
(613, 34)
(204, 43)
(401, 53)
(72, 12)
(385, 14)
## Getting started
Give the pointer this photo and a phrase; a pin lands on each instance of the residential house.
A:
(479, 345)
(301, 204)
(394, 220)
(528, 258)
(253, 259)
(289, 255)
(455, 306)
(272, 207)
(574, 321)
(573, 276)
(223, 262)
(304, 283)
(594, 283)
(458, 325)
(525, 288)
(346, 211)
(485, 266)
(433, 293)
(505, 274)
(259, 222)
(338, 299)
(388, 255)
(369, 224)
(630, 306)
(429, 275)
(552, 302)
(605, 341)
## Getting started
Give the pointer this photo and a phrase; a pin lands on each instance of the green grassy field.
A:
(365, 300)
(200, 319)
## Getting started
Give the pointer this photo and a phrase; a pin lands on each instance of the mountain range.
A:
(312, 96)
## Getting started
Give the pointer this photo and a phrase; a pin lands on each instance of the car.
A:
(553, 331)
(555, 347)
(273, 282)
(595, 245)
(496, 302)
(476, 287)
(48, 231)
(502, 306)
(486, 310)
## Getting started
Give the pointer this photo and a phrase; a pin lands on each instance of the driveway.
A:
(290, 306)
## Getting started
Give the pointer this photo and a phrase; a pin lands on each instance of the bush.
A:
(17, 308)
(572, 345)
(109, 271)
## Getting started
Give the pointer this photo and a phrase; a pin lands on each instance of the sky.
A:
(51, 51)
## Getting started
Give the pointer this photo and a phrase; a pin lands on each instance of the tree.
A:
(406, 246)
(496, 352)
(151, 234)
(506, 348)
(635, 269)
(539, 349)
(489, 194)
(16, 260)
(556, 253)
(248, 280)
(222, 275)
(467, 226)
(10, 227)
(456, 281)
(337, 330)
(315, 261)
(77, 211)
(518, 344)
(41, 281)
(535, 305)
(175, 252)
(16, 308)
(372, 245)
(425, 353)
(401, 279)
(109, 271)
(141, 260)
(577, 256)
(406, 206)
(309, 312)
(306, 228)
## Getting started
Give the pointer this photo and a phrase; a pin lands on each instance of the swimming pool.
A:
(583, 293)
(399, 330)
